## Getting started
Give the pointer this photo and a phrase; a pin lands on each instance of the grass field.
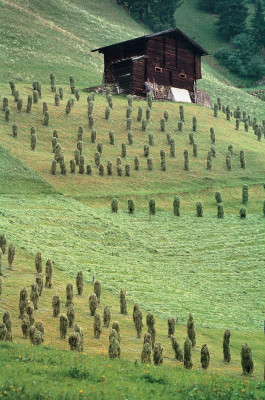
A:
(169, 265)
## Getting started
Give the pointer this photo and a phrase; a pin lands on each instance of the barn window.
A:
(182, 75)
(158, 69)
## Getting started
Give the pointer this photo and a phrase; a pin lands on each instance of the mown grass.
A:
(74, 376)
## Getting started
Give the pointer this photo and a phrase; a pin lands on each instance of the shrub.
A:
(71, 315)
(176, 208)
(162, 125)
(243, 212)
(63, 325)
(14, 130)
(146, 353)
(146, 150)
(172, 148)
(11, 255)
(8, 324)
(246, 360)
(128, 112)
(90, 108)
(123, 302)
(140, 114)
(176, 347)
(212, 135)
(97, 290)
(114, 205)
(194, 124)
(116, 327)
(191, 138)
(29, 103)
(53, 167)
(89, 169)
(34, 295)
(171, 326)
(81, 165)
(79, 146)
(158, 354)
(195, 150)
(230, 149)
(35, 96)
(33, 141)
(237, 124)
(97, 326)
(77, 157)
(97, 158)
(180, 126)
(216, 108)
(80, 283)
(99, 147)
(136, 163)
(5, 103)
(205, 357)
(54, 143)
(152, 206)
(56, 305)
(93, 135)
(148, 114)
(25, 324)
(228, 161)
(181, 113)
(226, 346)
(147, 338)
(138, 322)
(48, 272)
(30, 311)
(106, 316)
(242, 159)
(150, 164)
(77, 95)
(144, 125)
(228, 112)
(90, 121)
(209, 160)
(63, 166)
(39, 281)
(187, 354)
(128, 124)
(107, 113)
(119, 170)
(72, 84)
(127, 170)
(12, 86)
(191, 330)
(61, 93)
(111, 138)
(19, 105)
(149, 100)
(93, 303)
(150, 322)
(46, 118)
(3, 243)
(23, 299)
(57, 99)
(246, 126)
(213, 151)
(186, 160)
(114, 348)
(73, 341)
(7, 114)
(151, 139)
(118, 160)
(16, 95)
(245, 194)
(130, 137)
(218, 197)
(264, 208)
(110, 101)
(109, 168)
(162, 155)
(69, 294)
(131, 206)
(52, 79)
(123, 150)
(72, 166)
(199, 209)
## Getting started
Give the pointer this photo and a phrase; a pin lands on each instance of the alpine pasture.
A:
(170, 265)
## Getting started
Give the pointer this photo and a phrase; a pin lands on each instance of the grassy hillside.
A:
(72, 376)
(58, 36)
(169, 265)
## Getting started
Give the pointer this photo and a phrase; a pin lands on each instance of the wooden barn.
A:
(164, 59)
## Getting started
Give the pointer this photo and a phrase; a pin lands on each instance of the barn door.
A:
(123, 76)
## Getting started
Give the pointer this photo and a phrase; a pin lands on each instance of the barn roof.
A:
(176, 30)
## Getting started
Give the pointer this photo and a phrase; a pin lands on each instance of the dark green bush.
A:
(152, 206)
(114, 205)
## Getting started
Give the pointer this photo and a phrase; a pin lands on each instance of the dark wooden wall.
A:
(179, 60)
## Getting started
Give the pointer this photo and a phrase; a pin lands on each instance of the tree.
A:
(258, 26)
(208, 6)
(232, 17)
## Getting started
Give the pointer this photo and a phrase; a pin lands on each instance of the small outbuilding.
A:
(158, 62)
